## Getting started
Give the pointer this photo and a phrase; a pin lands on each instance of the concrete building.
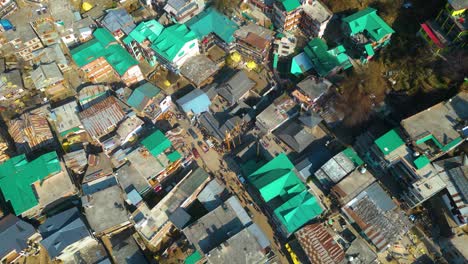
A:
(440, 128)
(310, 90)
(236, 88)
(51, 54)
(124, 249)
(47, 76)
(66, 120)
(7, 7)
(148, 100)
(285, 45)
(110, 201)
(118, 22)
(314, 18)
(11, 85)
(276, 114)
(287, 14)
(199, 70)
(254, 42)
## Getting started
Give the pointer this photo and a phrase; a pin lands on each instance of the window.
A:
(192, 45)
(180, 54)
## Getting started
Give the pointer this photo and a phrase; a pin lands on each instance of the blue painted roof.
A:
(14, 233)
(196, 102)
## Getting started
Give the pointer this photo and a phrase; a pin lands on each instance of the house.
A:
(251, 241)
(71, 26)
(76, 161)
(7, 7)
(64, 234)
(152, 161)
(44, 27)
(92, 94)
(66, 120)
(153, 224)
(454, 172)
(286, 14)
(338, 167)
(367, 31)
(199, 70)
(319, 245)
(217, 226)
(4, 148)
(212, 195)
(124, 249)
(276, 114)
(170, 46)
(128, 129)
(181, 10)
(46, 76)
(351, 185)
(377, 216)
(194, 103)
(29, 186)
(289, 202)
(254, 42)
(11, 85)
(148, 100)
(220, 126)
(266, 6)
(17, 235)
(308, 165)
(102, 58)
(51, 54)
(314, 18)
(440, 128)
(102, 118)
(118, 22)
(211, 26)
(448, 29)
(309, 91)
(99, 167)
(30, 132)
(236, 88)
(299, 133)
(284, 45)
(322, 60)
(111, 201)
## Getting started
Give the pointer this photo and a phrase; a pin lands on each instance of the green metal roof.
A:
(141, 95)
(212, 21)
(389, 142)
(421, 162)
(368, 21)
(18, 174)
(369, 49)
(290, 5)
(276, 180)
(156, 143)
(298, 210)
(103, 45)
(324, 60)
(275, 61)
(174, 156)
(353, 156)
(167, 42)
(194, 258)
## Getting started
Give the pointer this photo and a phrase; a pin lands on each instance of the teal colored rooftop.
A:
(353, 156)
(367, 21)
(317, 56)
(141, 95)
(212, 21)
(17, 175)
(156, 143)
(290, 5)
(166, 41)
(103, 45)
(389, 142)
(281, 188)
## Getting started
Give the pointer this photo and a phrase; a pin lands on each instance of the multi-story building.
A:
(7, 7)
(170, 46)
(254, 42)
(314, 18)
(287, 14)
(368, 32)
(449, 28)
(181, 10)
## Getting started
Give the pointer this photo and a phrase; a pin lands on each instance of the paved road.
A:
(215, 163)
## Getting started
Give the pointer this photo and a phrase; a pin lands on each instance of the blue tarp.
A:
(6, 24)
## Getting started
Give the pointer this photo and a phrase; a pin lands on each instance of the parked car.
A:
(209, 143)
(195, 153)
(192, 133)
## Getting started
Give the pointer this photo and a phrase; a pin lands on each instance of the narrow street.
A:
(215, 164)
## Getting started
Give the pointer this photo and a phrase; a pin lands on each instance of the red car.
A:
(195, 153)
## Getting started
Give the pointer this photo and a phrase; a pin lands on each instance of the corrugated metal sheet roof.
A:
(196, 102)
(369, 22)
(102, 117)
(156, 143)
(141, 95)
(212, 21)
(116, 19)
